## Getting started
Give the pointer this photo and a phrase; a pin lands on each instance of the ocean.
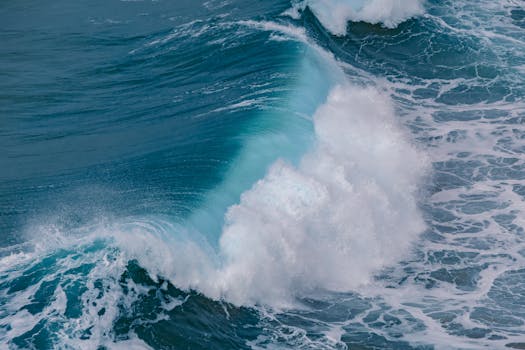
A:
(232, 174)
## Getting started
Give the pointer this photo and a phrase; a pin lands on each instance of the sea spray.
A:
(335, 14)
(348, 209)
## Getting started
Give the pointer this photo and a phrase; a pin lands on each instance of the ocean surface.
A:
(232, 174)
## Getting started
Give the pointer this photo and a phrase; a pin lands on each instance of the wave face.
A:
(318, 174)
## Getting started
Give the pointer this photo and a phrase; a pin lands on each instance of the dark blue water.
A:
(278, 175)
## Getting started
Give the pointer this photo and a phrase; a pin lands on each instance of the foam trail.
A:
(335, 14)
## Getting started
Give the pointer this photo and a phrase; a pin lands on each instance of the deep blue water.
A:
(326, 174)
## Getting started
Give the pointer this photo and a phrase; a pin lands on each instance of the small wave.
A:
(335, 14)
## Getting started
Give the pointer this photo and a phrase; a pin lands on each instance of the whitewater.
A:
(317, 174)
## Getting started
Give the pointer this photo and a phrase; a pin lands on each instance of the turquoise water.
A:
(269, 175)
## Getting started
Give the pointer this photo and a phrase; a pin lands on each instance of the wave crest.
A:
(348, 209)
(335, 14)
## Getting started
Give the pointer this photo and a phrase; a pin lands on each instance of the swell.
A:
(322, 194)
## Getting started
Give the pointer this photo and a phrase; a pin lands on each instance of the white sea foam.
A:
(335, 14)
(344, 212)
(100, 305)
